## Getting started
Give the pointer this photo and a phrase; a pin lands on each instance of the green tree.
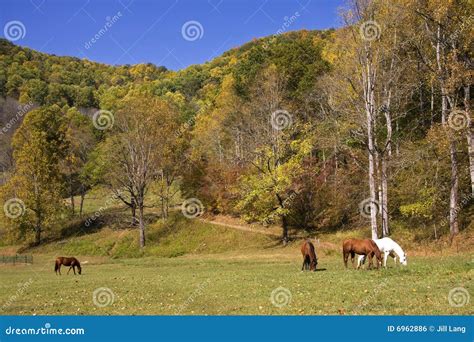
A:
(80, 141)
(39, 146)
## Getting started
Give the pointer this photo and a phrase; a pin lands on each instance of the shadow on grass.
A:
(113, 218)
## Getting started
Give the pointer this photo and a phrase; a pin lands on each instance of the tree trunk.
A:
(384, 204)
(162, 207)
(387, 154)
(38, 230)
(432, 104)
(378, 180)
(133, 207)
(470, 136)
(81, 206)
(373, 195)
(37, 235)
(167, 207)
(453, 198)
(72, 203)
(141, 225)
(284, 221)
(369, 109)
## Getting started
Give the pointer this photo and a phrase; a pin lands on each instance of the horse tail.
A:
(56, 266)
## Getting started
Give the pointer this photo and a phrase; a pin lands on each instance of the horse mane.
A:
(397, 249)
(377, 252)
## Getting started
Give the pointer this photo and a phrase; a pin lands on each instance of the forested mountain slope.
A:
(366, 127)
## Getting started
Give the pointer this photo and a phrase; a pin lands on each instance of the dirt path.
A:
(240, 227)
(221, 221)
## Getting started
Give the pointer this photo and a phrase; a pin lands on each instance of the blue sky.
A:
(142, 31)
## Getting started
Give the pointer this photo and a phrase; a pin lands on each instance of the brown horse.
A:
(362, 247)
(71, 262)
(310, 261)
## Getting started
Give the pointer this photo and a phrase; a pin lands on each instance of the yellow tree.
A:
(446, 54)
(39, 145)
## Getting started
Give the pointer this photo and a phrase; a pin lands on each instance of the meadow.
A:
(247, 281)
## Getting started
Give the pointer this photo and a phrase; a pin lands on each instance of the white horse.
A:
(388, 247)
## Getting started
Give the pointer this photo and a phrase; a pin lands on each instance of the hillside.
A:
(29, 79)
(46, 79)
(277, 132)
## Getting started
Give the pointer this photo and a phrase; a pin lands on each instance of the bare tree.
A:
(142, 132)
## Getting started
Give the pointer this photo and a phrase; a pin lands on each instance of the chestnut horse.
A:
(310, 261)
(71, 262)
(365, 247)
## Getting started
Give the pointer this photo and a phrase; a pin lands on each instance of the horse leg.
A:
(345, 257)
(74, 269)
(385, 257)
(369, 256)
(59, 269)
(360, 260)
(304, 264)
(353, 259)
(69, 270)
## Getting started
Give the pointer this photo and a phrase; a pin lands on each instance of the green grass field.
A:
(199, 268)
(235, 283)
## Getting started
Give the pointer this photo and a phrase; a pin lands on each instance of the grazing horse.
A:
(71, 262)
(365, 247)
(310, 261)
(388, 247)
